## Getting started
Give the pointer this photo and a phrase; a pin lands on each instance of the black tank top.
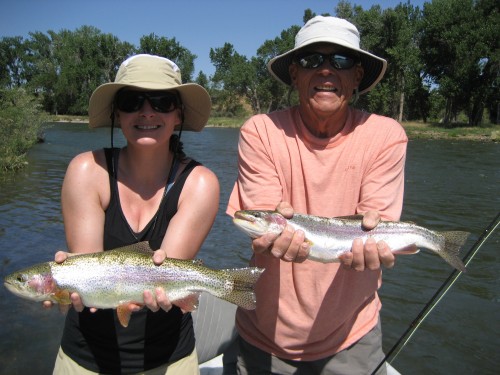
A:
(97, 341)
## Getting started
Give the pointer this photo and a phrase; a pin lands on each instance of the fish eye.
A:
(21, 278)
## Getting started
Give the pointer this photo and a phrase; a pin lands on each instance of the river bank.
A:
(414, 129)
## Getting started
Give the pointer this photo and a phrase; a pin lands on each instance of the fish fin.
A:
(350, 217)
(62, 296)
(244, 280)
(123, 312)
(454, 240)
(407, 250)
(189, 303)
(140, 247)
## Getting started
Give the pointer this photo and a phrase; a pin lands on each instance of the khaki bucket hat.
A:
(332, 30)
(149, 72)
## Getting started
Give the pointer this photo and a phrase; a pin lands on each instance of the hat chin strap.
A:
(112, 126)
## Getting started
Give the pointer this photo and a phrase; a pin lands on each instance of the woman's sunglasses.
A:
(161, 101)
(313, 60)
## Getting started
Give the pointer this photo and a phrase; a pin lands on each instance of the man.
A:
(322, 158)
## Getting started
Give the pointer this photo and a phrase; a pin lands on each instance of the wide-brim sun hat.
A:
(332, 30)
(149, 72)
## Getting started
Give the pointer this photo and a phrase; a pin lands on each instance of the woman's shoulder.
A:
(199, 171)
(88, 162)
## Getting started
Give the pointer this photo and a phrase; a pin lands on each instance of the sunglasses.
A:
(313, 60)
(161, 101)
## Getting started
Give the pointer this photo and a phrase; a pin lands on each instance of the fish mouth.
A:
(241, 216)
(11, 287)
(248, 227)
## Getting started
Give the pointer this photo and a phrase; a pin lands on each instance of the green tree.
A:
(203, 80)
(233, 74)
(65, 67)
(405, 72)
(21, 122)
(171, 49)
(463, 62)
(274, 94)
(11, 61)
(41, 69)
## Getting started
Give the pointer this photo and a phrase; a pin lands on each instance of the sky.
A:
(197, 25)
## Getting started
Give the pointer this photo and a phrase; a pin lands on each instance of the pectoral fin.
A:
(62, 297)
(189, 303)
(407, 250)
(123, 312)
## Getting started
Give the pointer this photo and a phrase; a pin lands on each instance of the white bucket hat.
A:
(332, 30)
(149, 72)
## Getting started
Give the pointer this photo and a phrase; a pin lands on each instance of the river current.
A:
(450, 185)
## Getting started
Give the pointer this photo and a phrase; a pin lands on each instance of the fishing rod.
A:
(436, 298)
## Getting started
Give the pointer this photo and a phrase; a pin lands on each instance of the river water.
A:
(449, 186)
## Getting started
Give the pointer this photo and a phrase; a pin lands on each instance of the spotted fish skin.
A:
(116, 278)
(331, 237)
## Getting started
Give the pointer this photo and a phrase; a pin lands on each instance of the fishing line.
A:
(436, 298)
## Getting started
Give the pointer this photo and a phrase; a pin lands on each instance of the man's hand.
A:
(288, 246)
(372, 255)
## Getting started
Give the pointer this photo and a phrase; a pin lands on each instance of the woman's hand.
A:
(158, 300)
(76, 301)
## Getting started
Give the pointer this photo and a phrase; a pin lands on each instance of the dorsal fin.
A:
(140, 247)
(350, 217)
(197, 262)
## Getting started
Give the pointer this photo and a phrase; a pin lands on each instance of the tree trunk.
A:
(401, 99)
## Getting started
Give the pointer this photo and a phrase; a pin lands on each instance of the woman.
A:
(146, 191)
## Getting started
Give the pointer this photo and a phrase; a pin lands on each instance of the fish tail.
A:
(242, 293)
(454, 240)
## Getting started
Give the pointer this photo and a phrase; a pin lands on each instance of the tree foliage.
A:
(437, 67)
(462, 61)
(20, 127)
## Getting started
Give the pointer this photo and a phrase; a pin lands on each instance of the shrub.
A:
(21, 121)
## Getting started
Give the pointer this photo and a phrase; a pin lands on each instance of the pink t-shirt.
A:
(308, 311)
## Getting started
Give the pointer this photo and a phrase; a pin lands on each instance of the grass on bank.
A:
(419, 130)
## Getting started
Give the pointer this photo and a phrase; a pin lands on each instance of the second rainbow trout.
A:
(331, 237)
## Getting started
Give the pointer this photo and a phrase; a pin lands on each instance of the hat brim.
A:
(374, 67)
(195, 99)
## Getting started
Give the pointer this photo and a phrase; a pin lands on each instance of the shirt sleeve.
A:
(258, 185)
(382, 188)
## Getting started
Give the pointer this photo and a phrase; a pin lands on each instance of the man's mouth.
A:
(326, 88)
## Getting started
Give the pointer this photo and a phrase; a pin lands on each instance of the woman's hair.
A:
(177, 147)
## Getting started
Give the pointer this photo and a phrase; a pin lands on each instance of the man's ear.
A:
(360, 72)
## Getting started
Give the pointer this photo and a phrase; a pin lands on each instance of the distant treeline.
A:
(444, 63)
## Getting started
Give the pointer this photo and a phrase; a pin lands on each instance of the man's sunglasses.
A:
(313, 60)
(161, 101)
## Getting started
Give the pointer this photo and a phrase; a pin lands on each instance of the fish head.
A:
(34, 283)
(256, 223)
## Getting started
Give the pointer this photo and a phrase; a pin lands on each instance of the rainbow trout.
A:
(116, 278)
(331, 237)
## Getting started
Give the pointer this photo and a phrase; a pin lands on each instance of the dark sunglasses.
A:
(161, 101)
(312, 60)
